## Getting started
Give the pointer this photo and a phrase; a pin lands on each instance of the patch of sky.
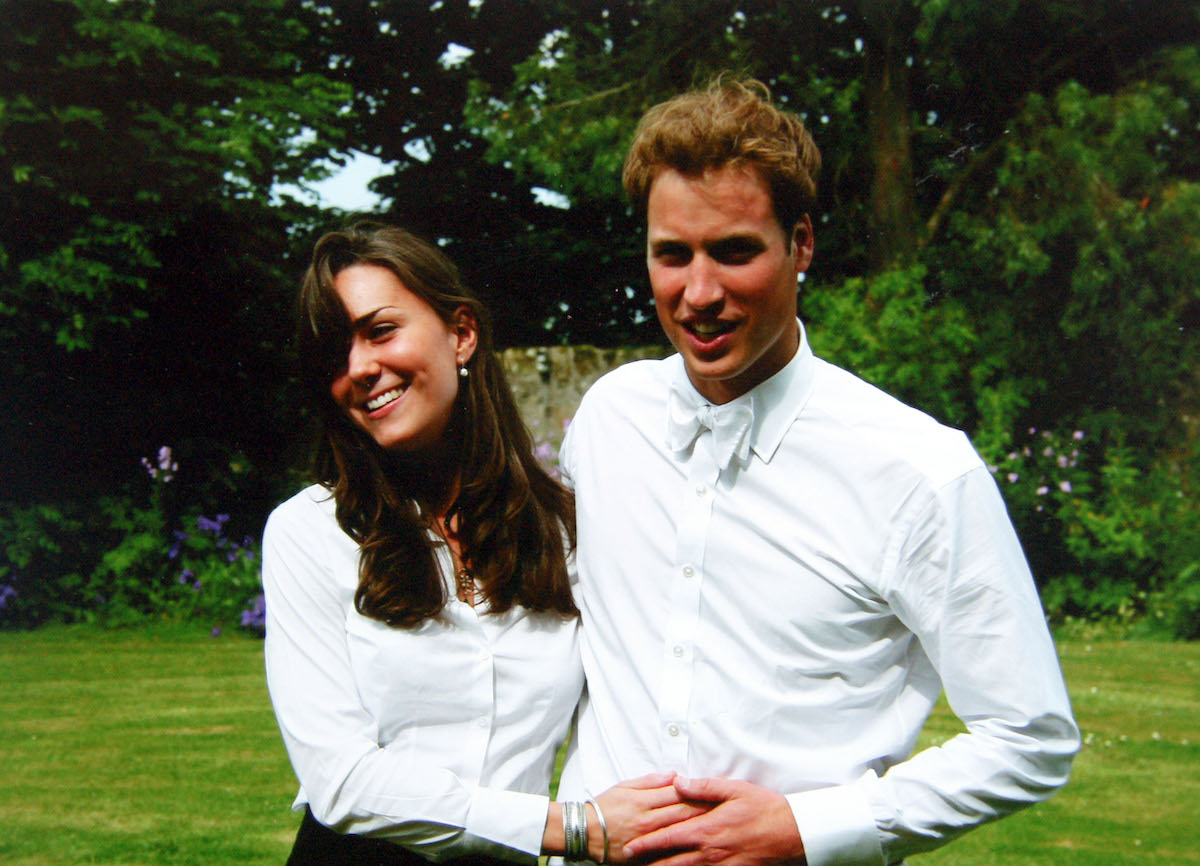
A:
(345, 188)
(550, 198)
(418, 149)
(455, 55)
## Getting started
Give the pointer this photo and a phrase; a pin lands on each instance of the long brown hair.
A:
(512, 516)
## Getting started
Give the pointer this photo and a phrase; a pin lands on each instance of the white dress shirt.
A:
(441, 737)
(791, 619)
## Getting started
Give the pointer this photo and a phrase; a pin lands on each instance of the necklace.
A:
(465, 586)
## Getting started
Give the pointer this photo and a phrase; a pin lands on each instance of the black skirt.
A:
(317, 845)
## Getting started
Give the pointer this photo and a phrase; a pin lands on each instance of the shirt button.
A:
(688, 571)
(678, 650)
(483, 722)
(701, 489)
(673, 730)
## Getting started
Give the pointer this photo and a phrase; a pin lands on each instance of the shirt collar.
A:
(776, 403)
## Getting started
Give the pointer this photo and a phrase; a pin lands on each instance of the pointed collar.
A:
(774, 404)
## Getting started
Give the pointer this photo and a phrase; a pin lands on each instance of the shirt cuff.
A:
(511, 818)
(837, 827)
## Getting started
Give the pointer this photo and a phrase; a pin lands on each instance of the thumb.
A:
(705, 790)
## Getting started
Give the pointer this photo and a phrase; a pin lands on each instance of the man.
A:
(781, 567)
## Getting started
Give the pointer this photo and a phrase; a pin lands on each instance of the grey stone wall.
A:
(548, 381)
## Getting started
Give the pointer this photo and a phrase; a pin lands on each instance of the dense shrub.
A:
(128, 558)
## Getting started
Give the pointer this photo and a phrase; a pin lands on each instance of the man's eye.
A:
(735, 253)
(672, 255)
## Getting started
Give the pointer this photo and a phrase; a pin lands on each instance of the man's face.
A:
(724, 277)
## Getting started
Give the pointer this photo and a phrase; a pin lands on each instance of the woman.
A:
(421, 646)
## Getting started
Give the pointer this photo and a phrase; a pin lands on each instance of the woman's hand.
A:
(635, 808)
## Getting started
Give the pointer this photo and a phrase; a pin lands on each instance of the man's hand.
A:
(747, 826)
(637, 807)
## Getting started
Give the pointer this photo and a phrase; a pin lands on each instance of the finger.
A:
(705, 790)
(682, 858)
(650, 780)
(674, 837)
(674, 813)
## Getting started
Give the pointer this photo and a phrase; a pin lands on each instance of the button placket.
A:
(684, 598)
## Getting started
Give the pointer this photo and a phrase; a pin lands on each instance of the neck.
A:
(430, 477)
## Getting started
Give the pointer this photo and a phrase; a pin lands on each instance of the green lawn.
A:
(157, 746)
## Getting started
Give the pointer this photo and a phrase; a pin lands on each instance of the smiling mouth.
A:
(707, 330)
(383, 399)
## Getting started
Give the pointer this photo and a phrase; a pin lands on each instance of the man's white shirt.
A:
(792, 618)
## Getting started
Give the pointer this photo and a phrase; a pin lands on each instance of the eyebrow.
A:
(735, 240)
(366, 318)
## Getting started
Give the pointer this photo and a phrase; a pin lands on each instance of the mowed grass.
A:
(158, 746)
(139, 747)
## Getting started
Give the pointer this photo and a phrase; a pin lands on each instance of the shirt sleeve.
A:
(352, 784)
(961, 584)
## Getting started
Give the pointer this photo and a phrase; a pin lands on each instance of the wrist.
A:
(597, 833)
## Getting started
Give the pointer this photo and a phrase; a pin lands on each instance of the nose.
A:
(703, 289)
(362, 366)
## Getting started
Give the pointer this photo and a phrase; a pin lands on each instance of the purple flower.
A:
(1077, 435)
(1063, 460)
(180, 537)
(1048, 452)
(216, 632)
(213, 526)
(1064, 486)
(1013, 477)
(255, 616)
(1043, 490)
(6, 592)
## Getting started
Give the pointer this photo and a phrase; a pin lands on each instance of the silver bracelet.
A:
(575, 833)
(603, 828)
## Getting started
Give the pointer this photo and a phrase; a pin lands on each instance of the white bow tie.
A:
(730, 425)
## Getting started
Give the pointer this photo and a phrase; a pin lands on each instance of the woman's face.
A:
(401, 376)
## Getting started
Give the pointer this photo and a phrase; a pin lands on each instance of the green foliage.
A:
(1106, 538)
(888, 330)
(1078, 266)
(127, 559)
(45, 558)
(119, 122)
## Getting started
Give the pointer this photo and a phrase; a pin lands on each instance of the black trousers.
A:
(317, 845)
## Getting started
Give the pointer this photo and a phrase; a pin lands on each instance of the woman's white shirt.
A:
(440, 737)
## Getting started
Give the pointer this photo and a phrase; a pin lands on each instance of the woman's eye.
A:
(381, 330)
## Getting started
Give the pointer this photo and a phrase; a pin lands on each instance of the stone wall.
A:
(548, 381)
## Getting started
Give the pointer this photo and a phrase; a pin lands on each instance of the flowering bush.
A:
(217, 575)
(1103, 535)
(44, 559)
(126, 559)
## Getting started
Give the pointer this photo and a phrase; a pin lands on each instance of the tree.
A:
(140, 243)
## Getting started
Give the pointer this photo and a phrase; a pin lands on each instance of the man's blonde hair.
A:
(731, 122)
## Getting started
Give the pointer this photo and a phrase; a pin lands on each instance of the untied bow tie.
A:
(730, 425)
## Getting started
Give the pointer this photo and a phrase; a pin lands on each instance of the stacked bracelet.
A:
(575, 833)
(603, 829)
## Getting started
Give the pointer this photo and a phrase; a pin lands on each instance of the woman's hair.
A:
(731, 122)
(512, 515)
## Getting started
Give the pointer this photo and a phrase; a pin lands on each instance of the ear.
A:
(802, 243)
(465, 328)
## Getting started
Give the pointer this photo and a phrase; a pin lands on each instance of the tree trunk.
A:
(892, 218)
